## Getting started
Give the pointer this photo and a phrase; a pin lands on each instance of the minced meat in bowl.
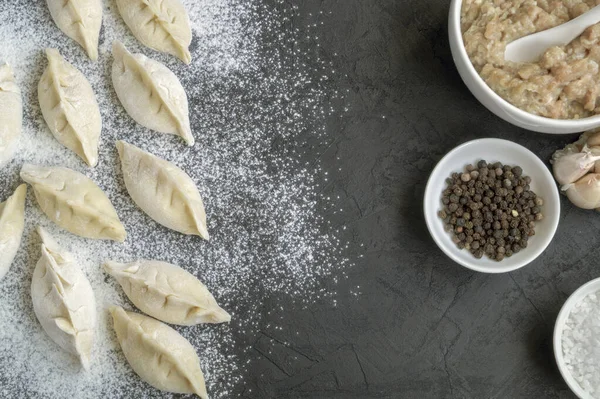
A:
(563, 84)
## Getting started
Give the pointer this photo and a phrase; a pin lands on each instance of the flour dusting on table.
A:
(252, 101)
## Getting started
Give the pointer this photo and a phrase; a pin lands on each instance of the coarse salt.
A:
(581, 344)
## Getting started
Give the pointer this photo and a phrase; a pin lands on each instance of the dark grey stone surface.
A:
(423, 327)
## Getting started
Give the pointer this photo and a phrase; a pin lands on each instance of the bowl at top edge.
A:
(493, 101)
(508, 153)
(583, 291)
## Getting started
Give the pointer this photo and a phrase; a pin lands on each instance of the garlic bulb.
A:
(585, 192)
(568, 167)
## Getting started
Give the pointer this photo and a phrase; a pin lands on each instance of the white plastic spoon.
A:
(530, 48)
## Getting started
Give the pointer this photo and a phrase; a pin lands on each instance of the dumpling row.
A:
(159, 24)
(150, 93)
(64, 304)
(156, 352)
(63, 299)
(161, 189)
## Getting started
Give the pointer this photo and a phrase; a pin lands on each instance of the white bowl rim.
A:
(575, 297)
(473, 264)
(454, 23)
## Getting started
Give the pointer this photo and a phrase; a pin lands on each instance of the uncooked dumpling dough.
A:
(167, 292)
(11, 114)
(158, 354)
(74, 202)
(163, 25)
(150, 93)
(63, 300)
(69, 107)
(165, 192)
(12, 221)
(80, 20)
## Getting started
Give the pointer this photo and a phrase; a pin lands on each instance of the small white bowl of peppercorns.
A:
(491, 205)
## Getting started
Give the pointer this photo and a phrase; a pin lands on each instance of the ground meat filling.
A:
(563, 84)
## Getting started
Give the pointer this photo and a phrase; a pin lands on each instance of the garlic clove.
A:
(593, 139)
(570, 167)
(567, 150)
(585, 192)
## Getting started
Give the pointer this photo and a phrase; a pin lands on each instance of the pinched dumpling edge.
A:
(66, 277)
(171, 18)
(147, 336)
(166, 93)
(10, 130)
(74, 122)
(56, 193)
(167, 292)
(177, 181)
(86, 33)
(12, 223)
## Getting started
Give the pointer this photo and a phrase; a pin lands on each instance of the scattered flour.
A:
(581, 343)
(253, 100)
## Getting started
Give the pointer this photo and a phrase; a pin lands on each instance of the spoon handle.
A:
(530, 48)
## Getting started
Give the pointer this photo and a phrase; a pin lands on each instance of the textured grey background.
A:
(423, 326)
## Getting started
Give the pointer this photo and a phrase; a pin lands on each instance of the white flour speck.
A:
(260, 94)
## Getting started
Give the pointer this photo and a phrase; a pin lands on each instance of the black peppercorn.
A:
(489, 208)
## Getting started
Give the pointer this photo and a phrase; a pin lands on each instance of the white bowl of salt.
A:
(577, 341)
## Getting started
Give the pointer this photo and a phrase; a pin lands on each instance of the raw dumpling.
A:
(63, 300)
(70, 108)
(11, 114)
(158, 354)
(165, 192)
(74, 202)
(159, 24)
(150, 93)
(12, 221)
(80, 20)
(167, 292)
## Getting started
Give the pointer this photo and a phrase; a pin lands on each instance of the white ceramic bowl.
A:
(582, 292)
(509, 153)
(494, 102)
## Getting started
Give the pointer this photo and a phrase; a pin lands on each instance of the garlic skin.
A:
(585, 192)
(568, 166)
(596, 151)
